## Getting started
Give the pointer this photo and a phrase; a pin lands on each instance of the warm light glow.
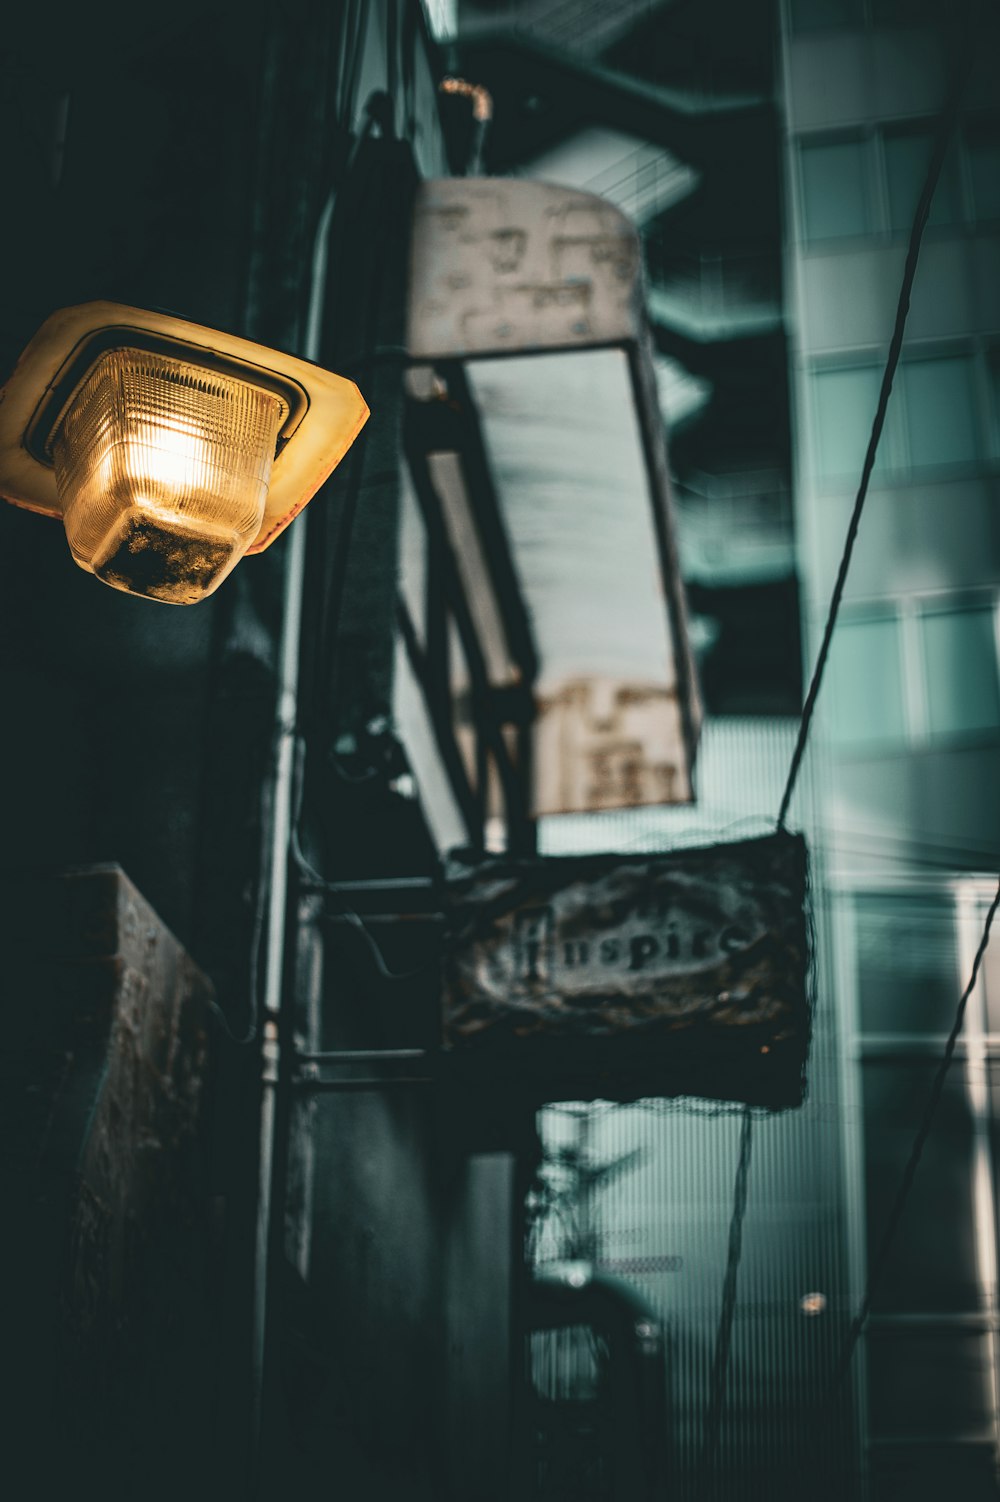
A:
(163, 467)
(178, 454)
(482, 99)
(167, 449)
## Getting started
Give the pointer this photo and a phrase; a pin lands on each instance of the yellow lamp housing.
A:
(168, 449)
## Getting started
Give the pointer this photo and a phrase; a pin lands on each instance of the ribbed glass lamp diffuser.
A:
(162, 468)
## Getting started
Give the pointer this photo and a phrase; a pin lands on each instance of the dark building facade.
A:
(264, 1238)
(273, 1285)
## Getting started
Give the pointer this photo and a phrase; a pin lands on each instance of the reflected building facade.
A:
(775, 178)
(910, 714)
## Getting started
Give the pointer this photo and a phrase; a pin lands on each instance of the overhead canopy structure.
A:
(526, 313)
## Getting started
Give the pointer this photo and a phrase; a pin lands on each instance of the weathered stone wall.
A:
(111, 1327)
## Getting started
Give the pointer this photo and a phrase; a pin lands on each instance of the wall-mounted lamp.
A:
(169, 450)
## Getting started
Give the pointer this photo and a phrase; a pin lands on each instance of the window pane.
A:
(810, 15)
(865, 704)
(983, 147)
(833, 190)
(990, 972)
(994, 375)
(993, 1082)
(932, 1261)
(929, 1382)
(906, 161)
(960, 668)
(922, 1472)
(904, 12)
(845, 402)
(939, 396)
(908, 979)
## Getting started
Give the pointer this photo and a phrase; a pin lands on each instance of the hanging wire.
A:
(354, 919)
(724, 1333)
(723, 1344)
(253, 984)
(379, 111)
(318, 882)
(878, 1263)
(946, 129)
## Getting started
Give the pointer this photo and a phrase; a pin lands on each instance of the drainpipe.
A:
(277, 1000)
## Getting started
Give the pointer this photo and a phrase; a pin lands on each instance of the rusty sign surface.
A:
(677, 974)
(509, 264)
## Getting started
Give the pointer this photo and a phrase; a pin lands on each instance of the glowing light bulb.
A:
(163, 467)
(167, 449)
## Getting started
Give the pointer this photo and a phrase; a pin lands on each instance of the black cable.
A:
(906, 1183)
(724, 1333)
(945, 131)
(319, 883)
(834, 839)
(335, 585)
(332, 602)
(253, 1001)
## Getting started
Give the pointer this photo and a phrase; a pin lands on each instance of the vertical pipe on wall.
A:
(280, 921)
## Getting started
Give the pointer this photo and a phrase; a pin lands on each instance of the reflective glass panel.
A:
(960, 671)
(928, 1382)
(940, 402)
(907, 157)
(834, 193)
(865, 691)
(982, 144)
(811, 15)
(907, 963)
(932, 1260)
(904, 12)
(845, 403)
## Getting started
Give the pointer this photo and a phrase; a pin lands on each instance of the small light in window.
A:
(812, 1303)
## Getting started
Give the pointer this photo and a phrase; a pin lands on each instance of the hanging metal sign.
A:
(610, 976)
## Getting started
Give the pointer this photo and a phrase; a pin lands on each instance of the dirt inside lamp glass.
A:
(169, 450)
